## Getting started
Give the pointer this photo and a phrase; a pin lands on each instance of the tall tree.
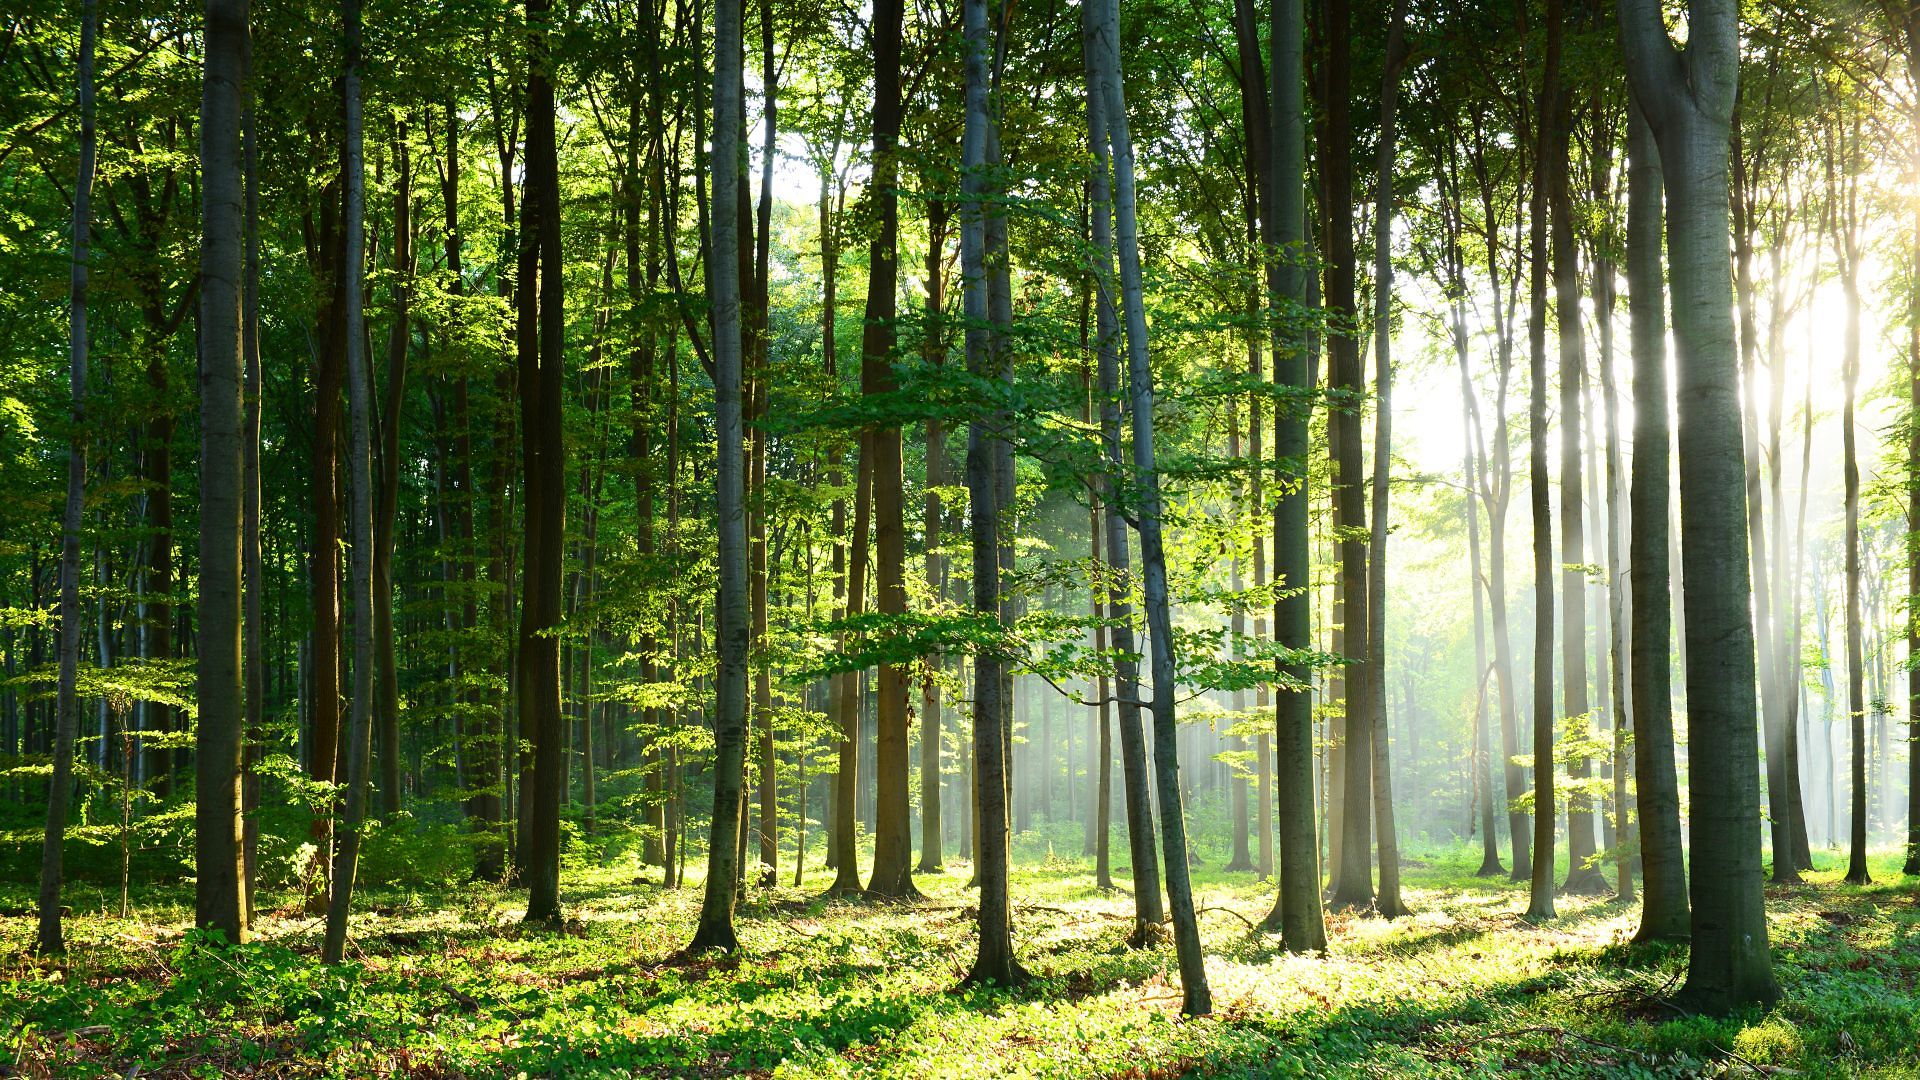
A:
(715, 930)
(1196, 998)
(995, 963)
(1148, 913)
(1353, 863)
(1583, 876)
(1540, 896)
(1297, 908)
(1843, 191)
(1388, 902)
(544, 471)
(1687, 95)
(1663, 909)
(219, 903)
(49, 940)
(346, 848)
(893, 824)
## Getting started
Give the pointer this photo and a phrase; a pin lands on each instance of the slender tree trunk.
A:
(933, 353)
(1388, 903)
(1663, 911)
(1196, 1000)
(346, 851)
(49, 940)
(1583, 874)
(1148, 912)
(730, 681)
(253, 656)
(1540, 896)
(846, 788)
(1297, 909)
(398, 338)
(995, 963)
(219, 900)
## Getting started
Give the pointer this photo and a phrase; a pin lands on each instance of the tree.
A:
(49, 940)
(715, 930)
(893, 832)
(1847, 252)
(1148, 913)
(1540, 896)
(1196, 999)
(994, 964)
(1663, 909)
(1583, 877)
(543, 464)
(1297, 908)
(1353, 865)
(346, 850)
(219, 901)
(1687, 96)
(1388, 903)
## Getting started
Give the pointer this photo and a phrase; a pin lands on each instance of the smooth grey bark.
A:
(49, 940)
(1583, 875)
(387, 481)
(995, 963)
(1663, 910)
(715, 930)
(1847, 252)
(1148, 911)
(1687, 95)
(1540, 893)
(933, 353)
(1388, 902)
(1297, 907)
(1196, 998)
(219, 902)
(346, 847)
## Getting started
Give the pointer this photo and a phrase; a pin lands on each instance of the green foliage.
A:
(439, 984)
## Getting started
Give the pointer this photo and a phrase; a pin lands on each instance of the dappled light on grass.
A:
(450, 985)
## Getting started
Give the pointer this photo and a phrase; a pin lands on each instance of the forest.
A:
(1175, 538)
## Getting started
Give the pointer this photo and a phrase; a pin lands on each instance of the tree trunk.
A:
(346, 851)
(1663, 911)
(49, 940)
(893, 816)
(1388, 903)
(715, 930)
(994, 964)
(1297, 909)
(398, 338)
(1540, 896)
(1688, 98)
(933, 354)
(1196, 999)
(543, 465)
(1583, 874)
(219, 902)
(1148, 912)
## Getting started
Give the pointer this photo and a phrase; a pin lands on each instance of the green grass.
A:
(446, 984)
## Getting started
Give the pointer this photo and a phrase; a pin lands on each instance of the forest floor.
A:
(447, 984)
